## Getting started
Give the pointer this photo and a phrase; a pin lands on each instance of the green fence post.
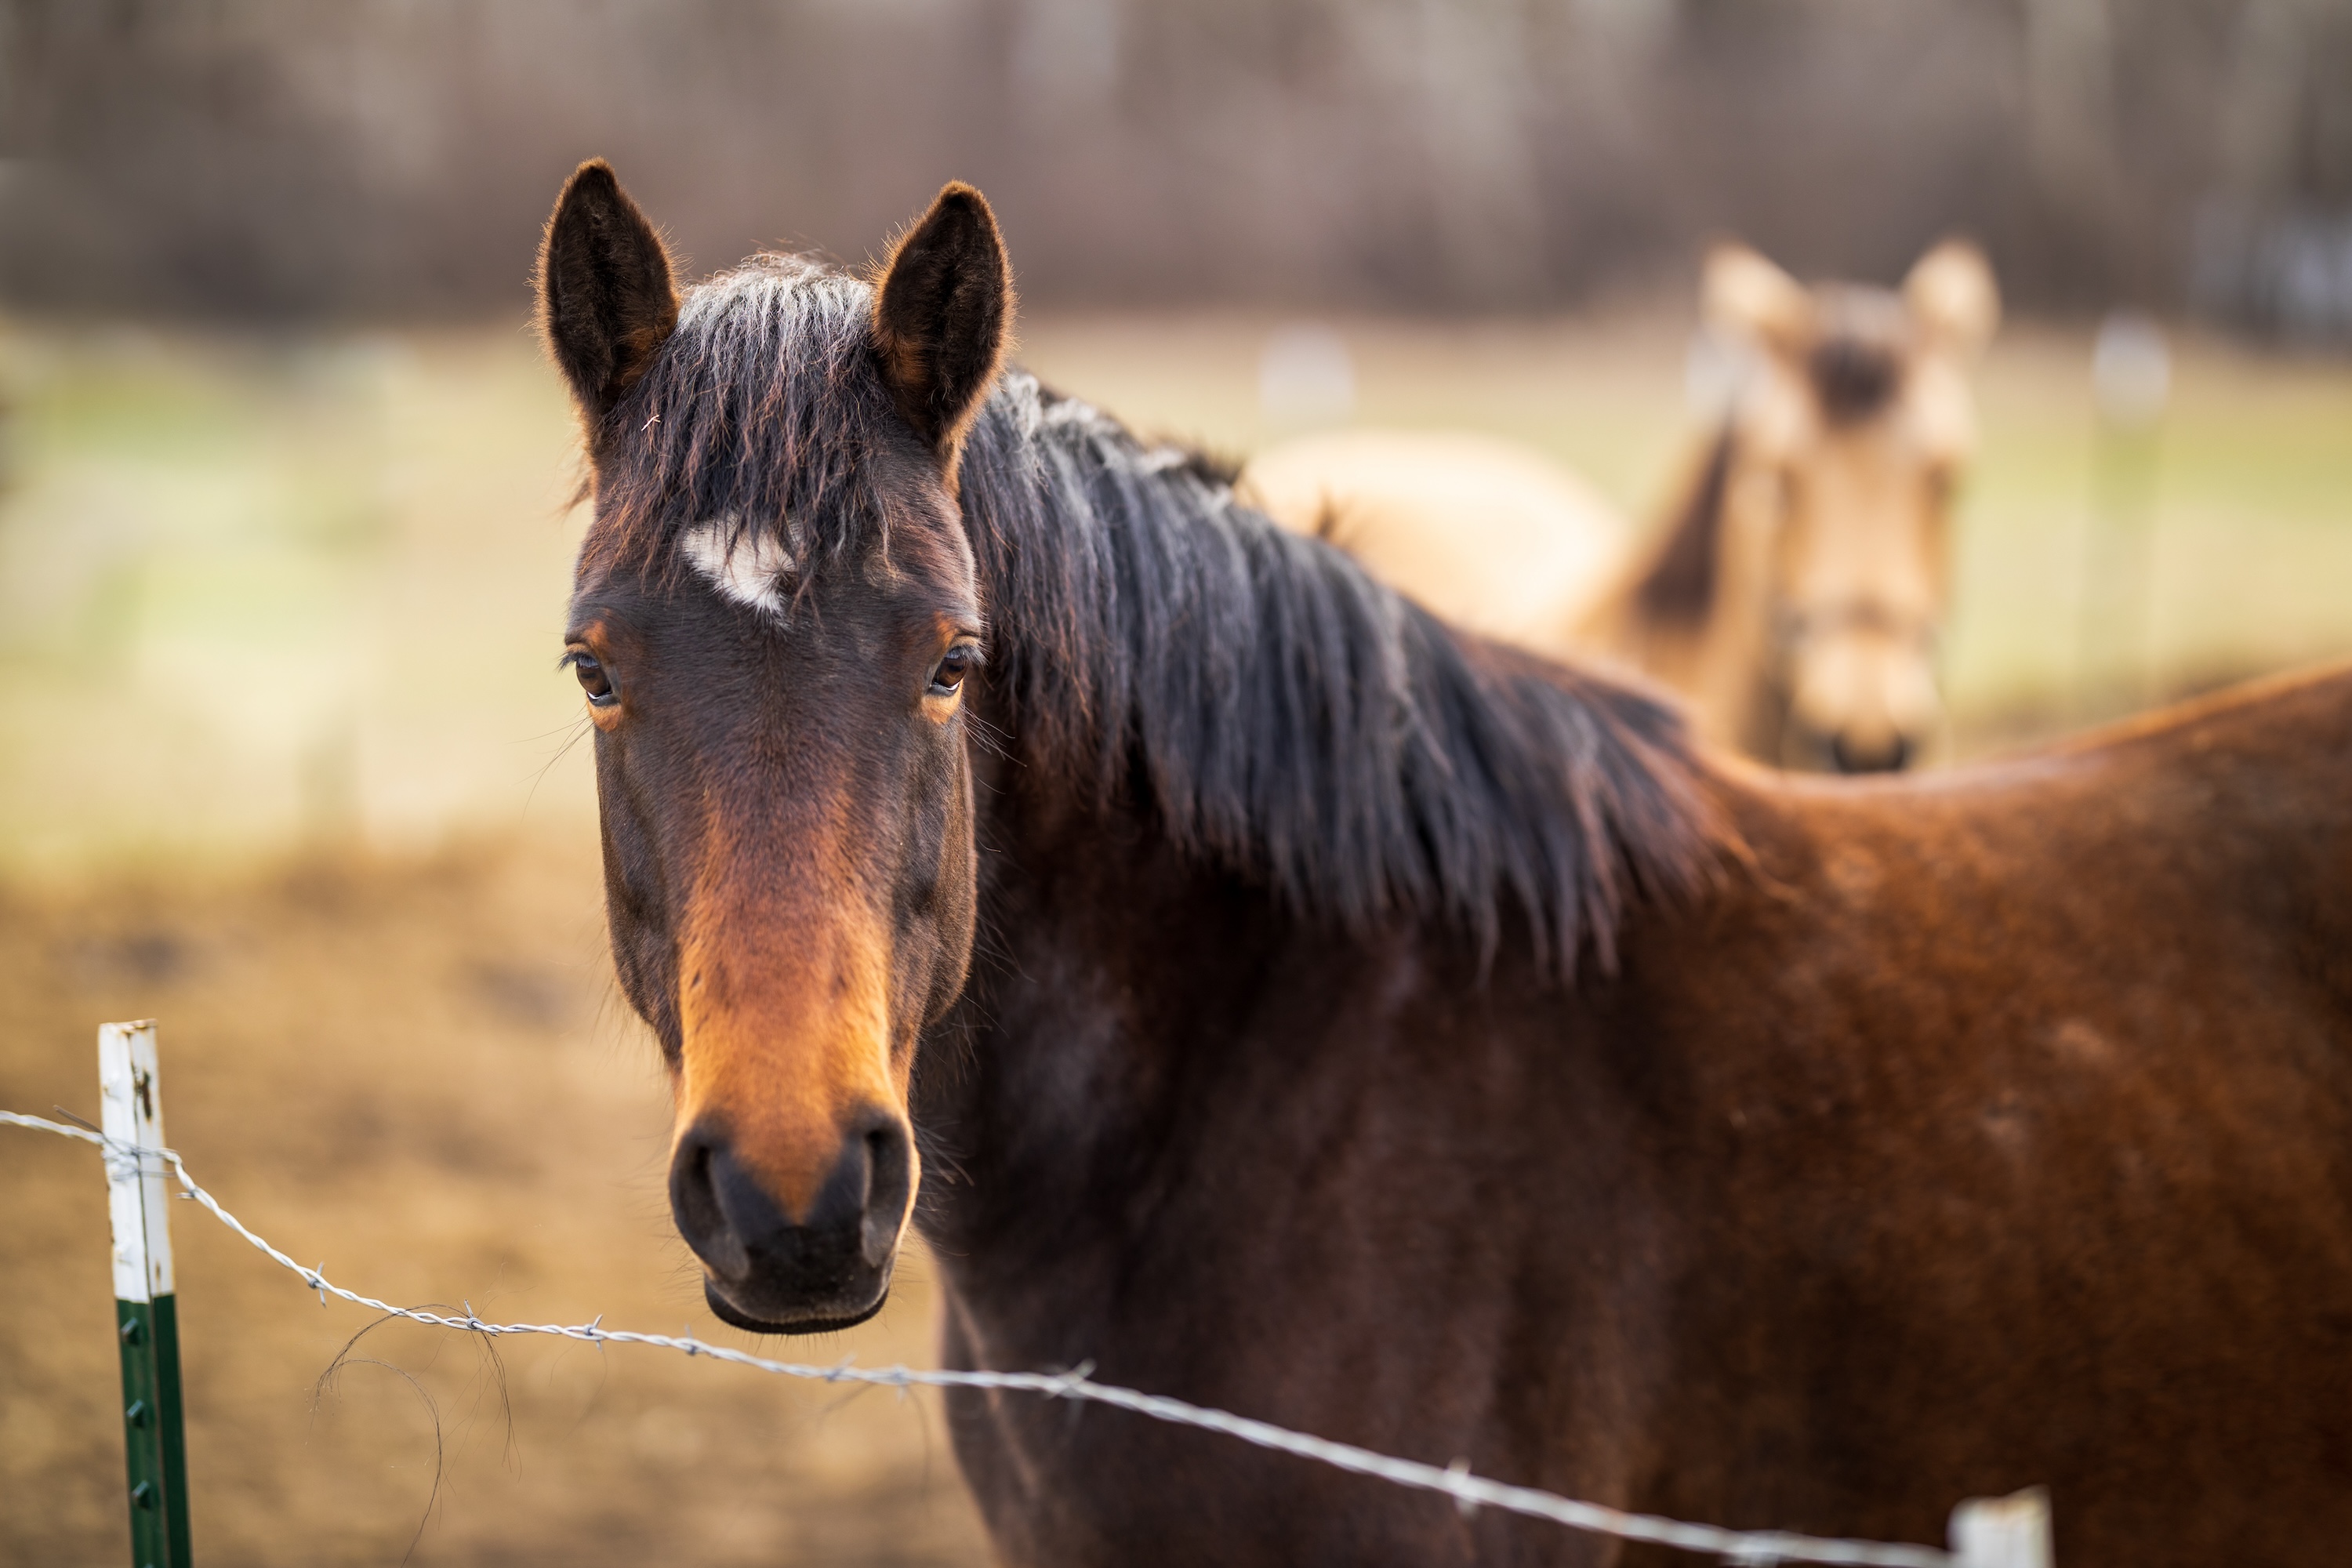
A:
(146, 1315)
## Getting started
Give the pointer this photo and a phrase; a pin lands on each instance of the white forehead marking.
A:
(750, 569)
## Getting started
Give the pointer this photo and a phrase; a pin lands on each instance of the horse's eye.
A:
(593, 680)
(953, 667)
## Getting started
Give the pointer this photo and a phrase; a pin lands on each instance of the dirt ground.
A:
(418, 1074)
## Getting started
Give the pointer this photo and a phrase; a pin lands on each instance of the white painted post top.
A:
(131, 1095)
(2010, 1531)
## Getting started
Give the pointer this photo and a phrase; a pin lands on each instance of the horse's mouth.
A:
(827, 1320)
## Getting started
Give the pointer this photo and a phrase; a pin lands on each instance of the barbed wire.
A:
(1456, 1481)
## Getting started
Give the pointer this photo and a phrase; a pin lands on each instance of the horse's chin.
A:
(727, 1312)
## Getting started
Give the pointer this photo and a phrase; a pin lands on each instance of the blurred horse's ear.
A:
(1744, 294)
(941, 316)
(1952, 295)
(605, 298)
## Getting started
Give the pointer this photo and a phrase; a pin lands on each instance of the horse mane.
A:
(1155, 643)
(1679, 588)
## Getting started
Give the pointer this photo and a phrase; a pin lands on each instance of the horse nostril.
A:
(695, 1207)
(889, 1177)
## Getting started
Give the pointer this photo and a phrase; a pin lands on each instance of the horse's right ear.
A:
(1745, 294)
(941, 315)
(605, 298)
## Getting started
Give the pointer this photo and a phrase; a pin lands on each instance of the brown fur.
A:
(606, 301)
(1995, 1131)
(1957, 1134)
(946, 292)
(784, 1020)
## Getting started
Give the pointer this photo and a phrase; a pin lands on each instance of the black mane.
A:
(1680, 585)
(1273, 707)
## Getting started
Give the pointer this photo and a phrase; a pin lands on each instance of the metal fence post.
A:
(146, 1313)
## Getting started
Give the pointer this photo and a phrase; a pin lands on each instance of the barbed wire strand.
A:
(1469, 1491)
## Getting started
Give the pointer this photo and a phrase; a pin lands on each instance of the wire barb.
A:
(1460, 1470)
(1467, 1490)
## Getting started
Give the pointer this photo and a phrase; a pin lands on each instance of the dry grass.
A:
(412, 1072)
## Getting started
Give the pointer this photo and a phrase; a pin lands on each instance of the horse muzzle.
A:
(771, 1271)
(1889, 752)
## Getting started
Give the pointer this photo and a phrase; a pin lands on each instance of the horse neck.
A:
(1102, 949)
(1132, 813)
(1098, 1050)
(1232, 767)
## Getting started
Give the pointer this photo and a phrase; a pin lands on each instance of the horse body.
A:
(1290, 1005)
(1871, 1185)
(1486, 534)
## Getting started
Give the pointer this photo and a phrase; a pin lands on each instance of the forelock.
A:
(761, 417)
(1856, 366)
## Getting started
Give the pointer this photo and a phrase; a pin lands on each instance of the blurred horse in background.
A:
(1486, 533)
(1798, 590)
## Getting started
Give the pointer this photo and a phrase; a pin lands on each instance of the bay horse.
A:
(1262, 993)
(1797, 589)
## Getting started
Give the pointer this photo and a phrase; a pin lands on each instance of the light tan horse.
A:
(1494, 537)
(1798, 589)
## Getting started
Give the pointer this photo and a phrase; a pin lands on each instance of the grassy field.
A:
(255, 594)
(283, 763)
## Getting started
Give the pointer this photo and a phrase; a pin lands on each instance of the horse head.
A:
(773, 617)
(1845, 442)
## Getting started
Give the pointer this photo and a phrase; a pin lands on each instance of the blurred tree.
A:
(273, 158)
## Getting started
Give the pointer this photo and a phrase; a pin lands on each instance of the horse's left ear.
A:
(1952, 295)
(942, 316)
